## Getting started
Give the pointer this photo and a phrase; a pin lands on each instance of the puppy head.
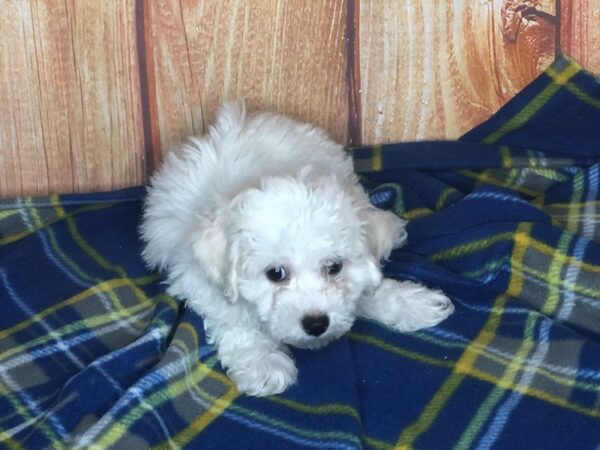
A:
(297, 250)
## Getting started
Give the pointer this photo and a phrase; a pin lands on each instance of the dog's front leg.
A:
(257, 364)
(405, 306)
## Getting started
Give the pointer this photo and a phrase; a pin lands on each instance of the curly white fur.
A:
(263, 192)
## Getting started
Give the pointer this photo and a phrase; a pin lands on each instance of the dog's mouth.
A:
(311, 342)
(307, 340)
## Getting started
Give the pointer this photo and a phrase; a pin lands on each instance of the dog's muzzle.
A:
(315, 325)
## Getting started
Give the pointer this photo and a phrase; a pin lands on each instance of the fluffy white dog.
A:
(262, 228)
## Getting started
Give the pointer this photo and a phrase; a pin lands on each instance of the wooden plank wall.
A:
(92, 93)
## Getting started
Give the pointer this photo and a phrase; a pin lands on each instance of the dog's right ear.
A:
(212, 249)
(209, 246)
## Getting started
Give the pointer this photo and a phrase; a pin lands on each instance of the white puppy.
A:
(262, 228)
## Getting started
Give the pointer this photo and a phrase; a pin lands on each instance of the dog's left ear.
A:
(211, 248)
(384, 230)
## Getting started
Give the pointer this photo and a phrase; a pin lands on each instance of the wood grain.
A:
(69, 97)
(23, 166)
(279, 55)
(92, 93)
(580, 32)
(434, 69)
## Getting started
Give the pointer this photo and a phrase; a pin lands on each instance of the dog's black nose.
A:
(315, 325)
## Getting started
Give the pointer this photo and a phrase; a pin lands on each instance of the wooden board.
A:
(279, 55)
(580, 32)
(69, 97)
(434, 69)
(92, 93)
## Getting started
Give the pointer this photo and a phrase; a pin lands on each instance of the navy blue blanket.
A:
(94, 354)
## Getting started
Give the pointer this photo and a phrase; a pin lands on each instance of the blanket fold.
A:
(506, 220)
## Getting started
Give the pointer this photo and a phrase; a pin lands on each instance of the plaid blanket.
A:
(94, 354)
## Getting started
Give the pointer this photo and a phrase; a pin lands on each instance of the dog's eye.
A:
(277, 274)
(334, 268)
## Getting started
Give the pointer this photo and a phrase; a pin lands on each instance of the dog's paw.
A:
(425, 309)
(264, 374)
(406, 306)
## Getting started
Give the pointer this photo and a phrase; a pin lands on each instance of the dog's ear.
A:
(384, 231)
(211, 248)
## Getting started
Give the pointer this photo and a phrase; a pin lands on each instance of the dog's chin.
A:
(310, 343)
